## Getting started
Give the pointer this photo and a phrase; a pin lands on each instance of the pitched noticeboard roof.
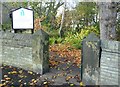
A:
(20, 8)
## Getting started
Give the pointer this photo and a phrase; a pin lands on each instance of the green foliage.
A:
(85, 14)
(55, 40)
(54, 37)
(73, 40)
(87, 30)
(47, 10)
(60, 40)
(6, 26)
(76, 39)
(52, 40)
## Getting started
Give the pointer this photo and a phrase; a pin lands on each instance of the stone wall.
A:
(110, 63)
(100, 62)
(27, 51)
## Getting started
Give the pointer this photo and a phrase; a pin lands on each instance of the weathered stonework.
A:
(110, 63)
(27, 51)
(100, 62)
(90, 60)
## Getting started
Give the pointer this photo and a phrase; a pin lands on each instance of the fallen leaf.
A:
(68, 78)
(7, 78)
(58, 68)
(2, 80)
(53, 77)
(44, 83)
(77, 77)
(71, 84)
(21, 76)
(31, 83)
(25, 83)
(9, 72)
(20, 81)
(30, 72)
(21, 71)
(14, 72)
(33, 80)
(81, 84)
(21, 85)
(58, 74)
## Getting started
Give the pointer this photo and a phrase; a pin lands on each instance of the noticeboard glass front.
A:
(23, 19)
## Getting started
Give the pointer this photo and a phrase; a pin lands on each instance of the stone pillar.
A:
(40, 45)
(90, 60)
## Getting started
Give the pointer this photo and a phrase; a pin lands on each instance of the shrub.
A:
(76, 39)
(52, 40)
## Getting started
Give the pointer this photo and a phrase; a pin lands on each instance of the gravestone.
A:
(110, 63)
(90, 60)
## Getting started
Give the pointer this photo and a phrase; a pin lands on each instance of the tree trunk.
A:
(108, 15)
(61, 32)
(0, 15)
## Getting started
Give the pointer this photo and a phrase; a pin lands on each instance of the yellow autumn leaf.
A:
(33, 80)
(71, 84)
(20, 71)
(30, 72)
(20, 81)
(68, 78)
(81, 84)
(21, 76)
(14, 72)
(58, 74)
(45, 83)
(9, 72)
(58, 68)
(54, 77)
